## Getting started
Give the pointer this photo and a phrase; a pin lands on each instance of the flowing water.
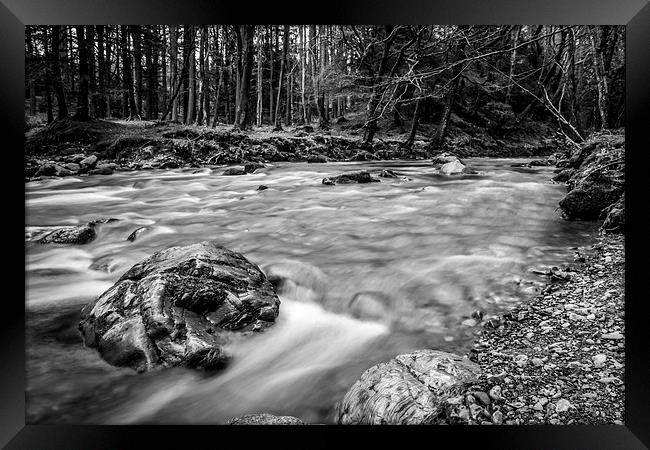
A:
(374, 270)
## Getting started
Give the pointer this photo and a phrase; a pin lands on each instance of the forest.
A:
(406, 77)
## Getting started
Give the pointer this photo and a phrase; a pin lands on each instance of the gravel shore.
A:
(559, 358)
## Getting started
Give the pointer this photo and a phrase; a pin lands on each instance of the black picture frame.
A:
(14, 14)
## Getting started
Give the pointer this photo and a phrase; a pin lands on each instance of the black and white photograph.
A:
(325, 224)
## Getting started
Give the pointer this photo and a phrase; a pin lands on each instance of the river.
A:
(433, 249)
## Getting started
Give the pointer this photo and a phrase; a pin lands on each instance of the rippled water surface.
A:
(375, 270)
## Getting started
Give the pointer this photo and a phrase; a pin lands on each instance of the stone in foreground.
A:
(410, 389)
(179, 307)
(265, 419)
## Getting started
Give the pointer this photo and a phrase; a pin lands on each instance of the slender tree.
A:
(57, 49)
(283, 63)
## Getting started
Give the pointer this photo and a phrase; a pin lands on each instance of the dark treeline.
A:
(275, 75)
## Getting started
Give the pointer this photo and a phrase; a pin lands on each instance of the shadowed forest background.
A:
(436, 83)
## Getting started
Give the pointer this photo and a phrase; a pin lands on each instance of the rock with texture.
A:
(444, 158)
(73, 234)
(234, 171)
(407, 390)
(180, 306)
(453, 168)
(363, 176)
(265, 419)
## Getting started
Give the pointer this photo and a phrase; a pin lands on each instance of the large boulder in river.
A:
(180, 306)
(411, 389)
(265, 419)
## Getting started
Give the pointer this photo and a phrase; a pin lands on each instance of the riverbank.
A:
(63, 148)
(560, 358)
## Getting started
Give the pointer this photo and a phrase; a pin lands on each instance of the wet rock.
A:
(388, 174)
(589, 198)
(137, 232)
(615, 219)
(562, 405)
(265, 419)
(262, 187)
(252, 167)
(444, 158)
(89, 162)
(564, 175)
(46, 170)
(409, 389)
(614, 336)
(495, 393)
(179, 307)
(316, 158)
(328, 181)
(453, 168)
(537, 163)
(362, 176)
(75, 234)
(599, 360)
(75, 159)
(101, 169)
(234, 171)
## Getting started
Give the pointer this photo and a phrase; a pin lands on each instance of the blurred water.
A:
(418, 257)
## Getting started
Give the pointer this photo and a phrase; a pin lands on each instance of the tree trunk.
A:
(289, 105)
(48, 77)
(101, 73)
(82, 102)
(57, 49)
(136, 36)
(30, 58)
(377, 90)
(151, 76)
(173, 69)
(283, 63)
(260, 79)
(513, 60)
(109, 54)
(303, 56)
(215, 114)
(92, 79)
(451, 95)
(271, 60)
(130, 109)
(245, 65)
(318, 99)
(415, 122)
(601, 80)
(191, 99)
